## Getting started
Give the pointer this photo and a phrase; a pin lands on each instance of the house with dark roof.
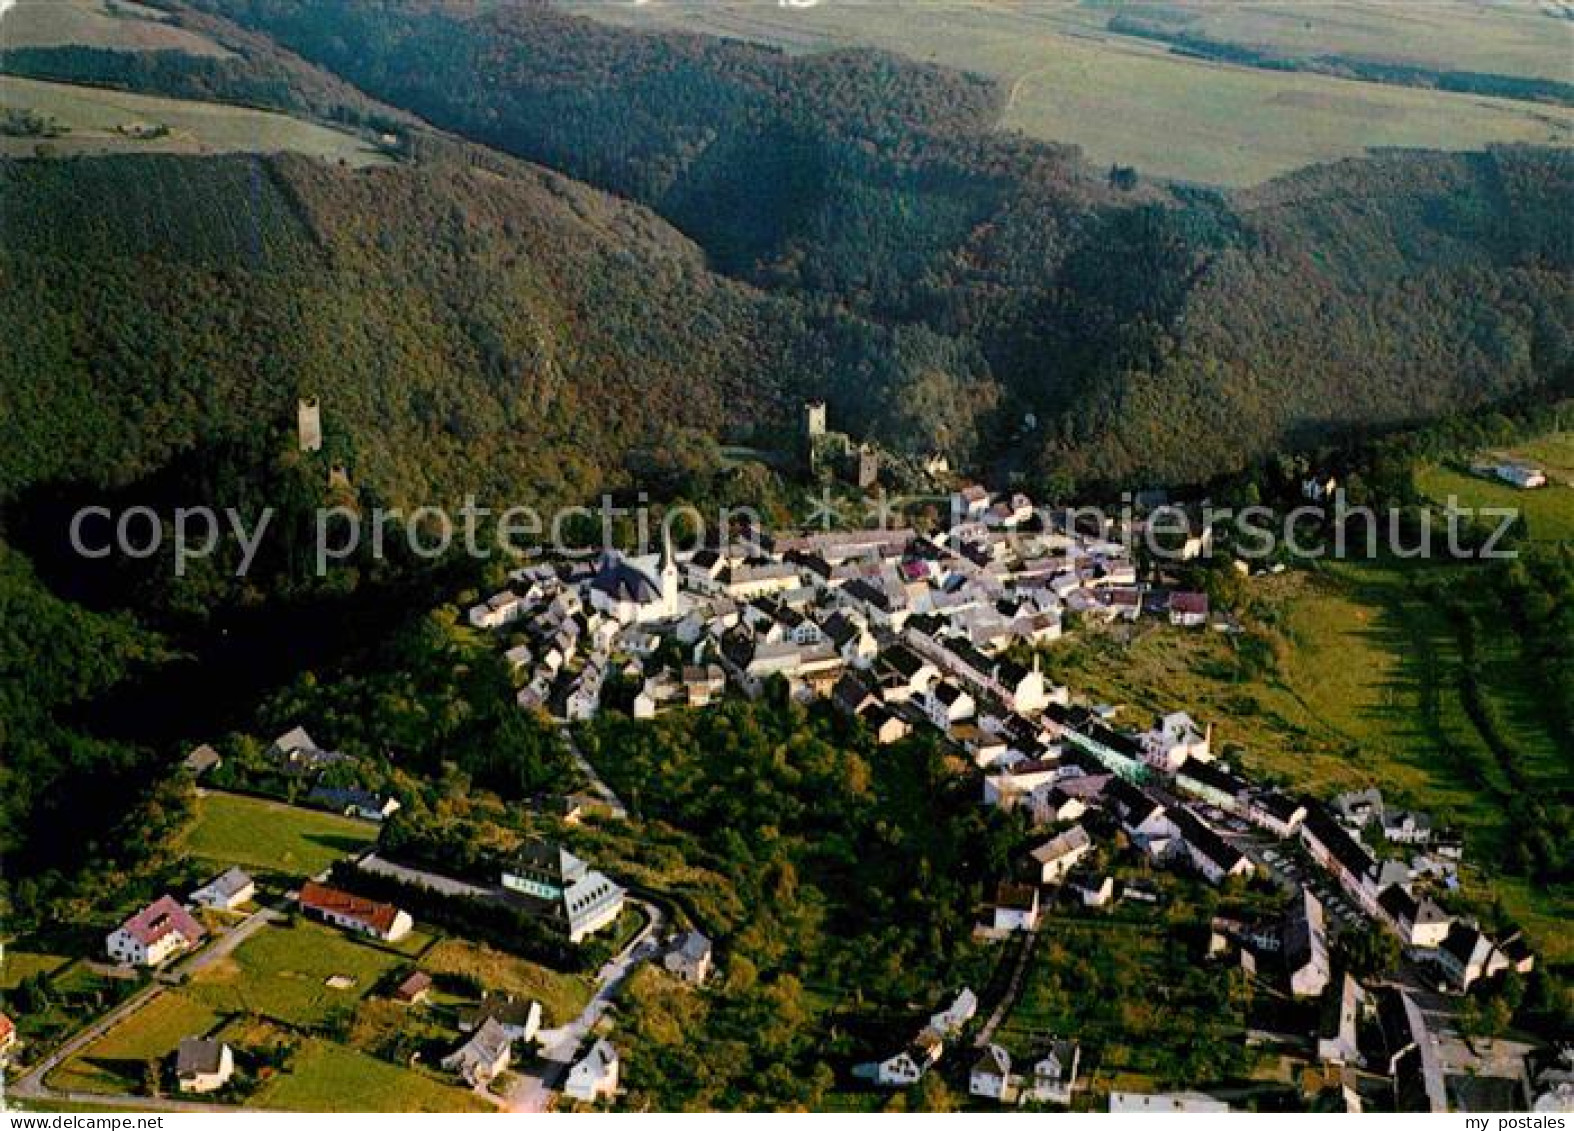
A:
(1417, 922)
(519, 1018)
(203, 1065)
(1305, 946)
(1334, 848)
(1214, 858)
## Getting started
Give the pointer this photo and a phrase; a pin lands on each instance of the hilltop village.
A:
(901, 632)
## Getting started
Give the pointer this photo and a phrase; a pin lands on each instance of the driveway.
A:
(559, 1047)
(32, 1086)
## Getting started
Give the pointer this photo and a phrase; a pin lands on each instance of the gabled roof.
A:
(995, 1061)
(228, 883)
(1344, 848)
(1074, 839)
(162, 917)
(327, 900)
(1204, 840)
(621, 580)
(198, 1057)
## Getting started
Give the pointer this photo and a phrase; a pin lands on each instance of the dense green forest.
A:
(1161, 333)
(840, 879)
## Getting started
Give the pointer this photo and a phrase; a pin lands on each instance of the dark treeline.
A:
(1347, 66)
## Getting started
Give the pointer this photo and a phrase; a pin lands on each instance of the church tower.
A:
(669, 572)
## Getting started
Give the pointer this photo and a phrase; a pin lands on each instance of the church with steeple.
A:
(637, 590)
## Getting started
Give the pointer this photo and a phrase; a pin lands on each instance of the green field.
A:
(562, 996)
(271, 836)
(115, 1062)
(108, 121)
(329, 1077)
(1362, 687)
(1129, 100)
(119, 24)
(22, 964)
(1507, 38)
(282, 973)
(1548, 511)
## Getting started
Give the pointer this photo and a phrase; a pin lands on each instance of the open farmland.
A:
(118, 24)
(1503, 37)
(93, 120)
(1131, 101)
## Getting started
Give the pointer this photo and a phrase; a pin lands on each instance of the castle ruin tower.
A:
(308, 424)
(813, 429)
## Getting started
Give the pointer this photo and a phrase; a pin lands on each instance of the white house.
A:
(482, 1058)
(1016, 907)
(1175, 738)
(990, 1078)
(1055, 1075)
(354, 913)
(946, 704)
(226, 891)
(161, 929)
(498, 610)
(689, 958)
(1417, 922)
(949, 1021)
(203, 1065)
(909, 1065)
(1060, 854)
(519, 1018)
(594, 1077)
(636, 592)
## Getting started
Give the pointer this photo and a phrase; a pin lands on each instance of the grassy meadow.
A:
(282, 973)
(1548, 511)
(116, 1061)
(1131, 101)
(118, 24)
(99, 120)
(271, 836)
(562, 996)
(329, 1077)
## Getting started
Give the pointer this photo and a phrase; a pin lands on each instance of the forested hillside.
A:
(1157, 332)
(481, 327)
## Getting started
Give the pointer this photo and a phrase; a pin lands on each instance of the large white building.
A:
(160, 930)
(588, 900)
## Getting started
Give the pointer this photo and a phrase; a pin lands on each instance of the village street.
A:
(534, 1088)
(616, 809)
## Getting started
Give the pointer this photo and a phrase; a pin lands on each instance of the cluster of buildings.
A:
(904, 630)
(295, 754)
(815, 607)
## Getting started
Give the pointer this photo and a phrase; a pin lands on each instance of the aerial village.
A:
(901, 630)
